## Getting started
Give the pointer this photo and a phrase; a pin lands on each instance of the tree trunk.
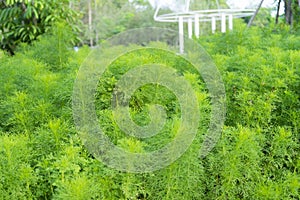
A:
(95, 20)
(288, 11)
(90, 23)
(277, 13)
(256, 12)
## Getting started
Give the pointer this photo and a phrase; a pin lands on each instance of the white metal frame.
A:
(196, 17)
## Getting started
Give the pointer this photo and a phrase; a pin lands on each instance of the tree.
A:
(278, 10)
(90, 13)
(24, 20)
(291, 12)
(103, 19)
(255, 14)
(288, 11)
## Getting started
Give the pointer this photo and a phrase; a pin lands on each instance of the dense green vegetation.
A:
(257, 157)
(24, 21)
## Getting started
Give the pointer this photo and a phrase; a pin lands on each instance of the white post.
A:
(190, 28)
(181, 35)
(230, 22)
(197, 28)
(223, 23)
(213, 25)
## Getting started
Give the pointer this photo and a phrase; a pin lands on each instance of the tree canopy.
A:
(25, 20)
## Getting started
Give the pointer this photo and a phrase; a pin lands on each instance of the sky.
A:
(253, 4)
(233, 3)
(237, 4)
(245, 4)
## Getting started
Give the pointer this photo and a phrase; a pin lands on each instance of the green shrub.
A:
(257, 156)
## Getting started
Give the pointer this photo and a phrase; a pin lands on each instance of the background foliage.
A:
(22, 21)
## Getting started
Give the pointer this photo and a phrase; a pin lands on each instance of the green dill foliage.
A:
(17, 175)
(53, 48)
(257, 156)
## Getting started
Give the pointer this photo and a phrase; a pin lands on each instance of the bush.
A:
(257, 157)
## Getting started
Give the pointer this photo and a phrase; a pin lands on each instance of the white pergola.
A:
(194, 18)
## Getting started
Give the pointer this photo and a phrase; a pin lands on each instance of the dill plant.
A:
(257, 157)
